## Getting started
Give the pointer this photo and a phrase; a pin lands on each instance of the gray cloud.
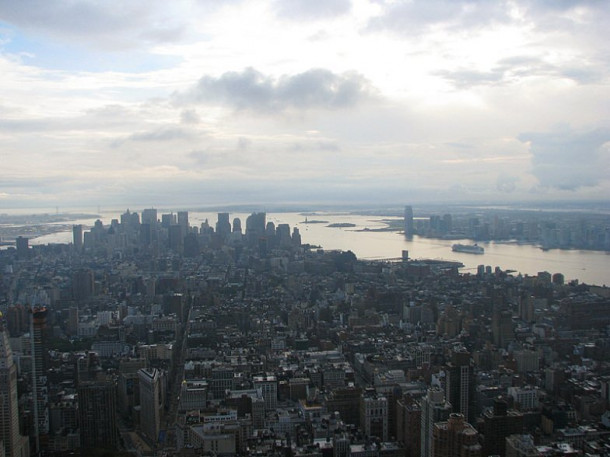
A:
(243, 144)
(411, 18)
(416, 16)
(311, 9)
(251, 90)
(513, 69)
(189, 116)
(321, 145)
(200, 157)
(161, 134)
(107, 25)
(506, 183)
(109, 116)
(567, 160)
(504, 72)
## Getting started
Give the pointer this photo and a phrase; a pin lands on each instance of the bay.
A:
(591, 267)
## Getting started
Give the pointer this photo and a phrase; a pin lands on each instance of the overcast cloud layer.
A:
(150, 102)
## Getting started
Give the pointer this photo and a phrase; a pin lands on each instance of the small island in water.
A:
(313, 221)
(341, 225)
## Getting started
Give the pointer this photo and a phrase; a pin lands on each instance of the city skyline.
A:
(191, 103)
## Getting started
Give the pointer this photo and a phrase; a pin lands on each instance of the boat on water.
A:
(468, 248)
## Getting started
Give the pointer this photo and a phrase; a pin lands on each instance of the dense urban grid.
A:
(152, 337)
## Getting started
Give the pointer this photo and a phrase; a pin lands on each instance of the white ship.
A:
(469, 248)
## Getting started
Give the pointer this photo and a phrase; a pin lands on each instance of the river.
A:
(591, 267)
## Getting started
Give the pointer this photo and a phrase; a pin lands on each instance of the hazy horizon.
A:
(339, 102)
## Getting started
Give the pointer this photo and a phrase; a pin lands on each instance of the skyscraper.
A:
(151, 402)
(39, 350)
(97, 414)
(14, 444)
(408, 425)
(77, 237)
(183, 221)
(255, 227)
(237, 225)
(149, 216)
(409, 227)
(374, 414)
(83, 284)
(500, 423)
(23, 247)
(434, 409)
(460, 384)
(223, 226)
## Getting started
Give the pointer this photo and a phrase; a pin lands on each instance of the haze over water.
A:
(591, 267)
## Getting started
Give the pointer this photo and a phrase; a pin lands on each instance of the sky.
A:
(202, 102)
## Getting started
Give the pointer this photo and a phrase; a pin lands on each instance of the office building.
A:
(408, 425)
(409, 225)
(149, 216)
(223, 226)
(374, 414)
(13, 444)
(255, 227)
(460, 384)
(151, 402)
(237, 225)
(77, 237)
(39, 344)
(23, 247)
(499, 423)
(268, 387)
(97, 415)
(128, 389)
(455, 438)
(183, 221)
(345, 400)
(434, 408)
(175, 238)
(83, 284)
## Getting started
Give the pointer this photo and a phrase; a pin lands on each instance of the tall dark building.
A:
(345, 400)
(97, 415)
(374, 414)
(14, 444)
(409, 226)
(149, 216)
(500, 423)
(223, 226)
(237, 225)
(183, 221)
(176, 240)
(145, 233)
(502, 327)
(255, 227)
(460, 384)
(151, 402)
(23, 247)
(77, 237)
(408, 425)
(455, 438)
(39, 340)
(82, 284)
